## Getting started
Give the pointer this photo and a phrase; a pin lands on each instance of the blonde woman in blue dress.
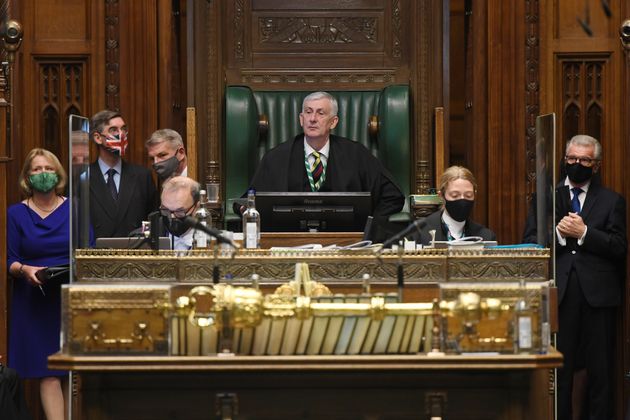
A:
(38, 234)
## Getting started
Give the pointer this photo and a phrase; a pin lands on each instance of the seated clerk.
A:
(180, 198)
(319, 161)
(457, 190)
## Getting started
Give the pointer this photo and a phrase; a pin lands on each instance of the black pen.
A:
(42, 289)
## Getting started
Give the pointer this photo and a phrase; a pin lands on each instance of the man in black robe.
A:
(319, 161)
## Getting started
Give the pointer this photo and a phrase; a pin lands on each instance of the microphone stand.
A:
(400, 274)
(216, 273)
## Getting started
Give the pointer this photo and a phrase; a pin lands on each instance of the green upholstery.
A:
(245, 147)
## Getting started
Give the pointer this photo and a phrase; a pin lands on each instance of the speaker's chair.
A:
(257, 121)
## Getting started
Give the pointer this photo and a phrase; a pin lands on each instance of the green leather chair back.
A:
(245, 147)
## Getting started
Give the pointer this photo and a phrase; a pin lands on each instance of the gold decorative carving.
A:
(426, 266)
(318, 30)
(128, 319)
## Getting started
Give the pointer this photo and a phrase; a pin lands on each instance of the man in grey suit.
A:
(121, 194)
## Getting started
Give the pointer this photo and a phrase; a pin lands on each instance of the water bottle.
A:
(523, 320)
(200, 238)
(251, 222)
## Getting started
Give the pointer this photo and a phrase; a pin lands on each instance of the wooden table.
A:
(312, 387)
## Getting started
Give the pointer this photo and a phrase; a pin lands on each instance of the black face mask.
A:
(167, 167)
(577, 173)
(175, 226)
(459, 209)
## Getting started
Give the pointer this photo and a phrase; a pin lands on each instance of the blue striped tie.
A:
(575, 202)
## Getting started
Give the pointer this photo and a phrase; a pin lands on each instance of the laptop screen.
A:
(131, 243)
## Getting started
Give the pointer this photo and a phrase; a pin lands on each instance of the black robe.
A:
(350, 168)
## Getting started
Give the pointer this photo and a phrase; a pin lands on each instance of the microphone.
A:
(416, 225)
(155, 220)
(192, 222)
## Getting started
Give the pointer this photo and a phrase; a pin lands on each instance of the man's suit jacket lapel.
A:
(125, 193)
(563, 201)
(100, 192)
(591, 198)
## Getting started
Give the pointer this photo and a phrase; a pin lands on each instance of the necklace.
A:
(45, 210)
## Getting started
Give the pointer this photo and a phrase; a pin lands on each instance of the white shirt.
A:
(104, 168)
(324, 152)
(562, 241)
(184, 242)
(454, 227)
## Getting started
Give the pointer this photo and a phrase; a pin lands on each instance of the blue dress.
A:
(35, 321)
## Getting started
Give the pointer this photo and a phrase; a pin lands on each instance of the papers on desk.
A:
(465, 243)
(361, 245)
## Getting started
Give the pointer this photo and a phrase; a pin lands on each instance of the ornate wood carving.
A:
(396, 26)
(112, 55)
(582, 97)
(239, 29)
(61, 87)
(532, 87)
(287, 78)
(318, 30)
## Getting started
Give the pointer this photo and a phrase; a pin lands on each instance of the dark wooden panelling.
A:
(61, 21)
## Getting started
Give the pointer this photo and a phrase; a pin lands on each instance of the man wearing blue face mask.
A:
(591, 248)
(165, 148)
(180, 198)
(121, 194)
(457, 190)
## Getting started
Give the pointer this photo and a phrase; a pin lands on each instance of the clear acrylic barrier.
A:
(79, 184)
(546, 180)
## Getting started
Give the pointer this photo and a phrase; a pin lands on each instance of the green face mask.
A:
(44, 181)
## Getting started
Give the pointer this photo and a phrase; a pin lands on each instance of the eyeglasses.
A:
(177, 214)
(116, 131)
(584, 161)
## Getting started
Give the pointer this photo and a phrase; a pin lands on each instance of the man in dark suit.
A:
(590, 270)
(121, 194)
(319, 161)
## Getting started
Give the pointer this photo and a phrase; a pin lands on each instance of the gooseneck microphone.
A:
(193, 223)
(415, 226)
